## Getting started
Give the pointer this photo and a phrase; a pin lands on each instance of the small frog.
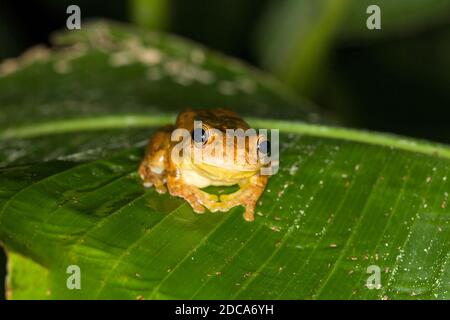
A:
(185, 178)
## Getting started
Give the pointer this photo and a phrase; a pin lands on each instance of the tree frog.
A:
(185, 178)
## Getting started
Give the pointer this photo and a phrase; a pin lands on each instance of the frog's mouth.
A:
(227, 173)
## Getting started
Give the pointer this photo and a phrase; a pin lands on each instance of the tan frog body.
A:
(185, 178)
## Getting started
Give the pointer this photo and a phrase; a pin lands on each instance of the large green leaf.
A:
(106, 69)
(74, 134)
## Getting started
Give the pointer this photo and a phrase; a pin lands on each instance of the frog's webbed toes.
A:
(217, 206)
(194, 202)
(247, 196)
(188, 193)
(239, 198)
(199, 200)
(210, 201)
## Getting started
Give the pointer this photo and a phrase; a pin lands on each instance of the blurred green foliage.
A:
(2, 273)
(153, 14)
(294, 38)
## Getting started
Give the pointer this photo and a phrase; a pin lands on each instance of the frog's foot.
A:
(208, 200)
(150, 178)
(247, 195)
(197, 198)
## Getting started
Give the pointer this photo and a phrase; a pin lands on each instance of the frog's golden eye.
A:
(200, 135)
(264, 147)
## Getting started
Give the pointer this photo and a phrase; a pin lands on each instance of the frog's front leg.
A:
(197, 198)
(247, 195)
(152, 179)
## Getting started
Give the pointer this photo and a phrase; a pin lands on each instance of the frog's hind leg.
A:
(247, 195)
(153, 169)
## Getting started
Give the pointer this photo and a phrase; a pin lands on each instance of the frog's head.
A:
(222, 144)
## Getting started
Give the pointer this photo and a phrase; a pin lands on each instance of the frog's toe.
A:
(249, 214)
(161, 189)
(198, 209)
(147, 184)
(194, 203)
(215, 206)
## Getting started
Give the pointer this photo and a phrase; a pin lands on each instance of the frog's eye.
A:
(199, 135)
(264, 147)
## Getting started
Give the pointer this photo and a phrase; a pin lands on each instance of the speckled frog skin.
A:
(185, 178)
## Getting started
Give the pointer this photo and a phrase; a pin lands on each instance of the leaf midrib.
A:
(144, 121)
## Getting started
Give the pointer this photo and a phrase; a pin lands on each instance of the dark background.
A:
(395, 80)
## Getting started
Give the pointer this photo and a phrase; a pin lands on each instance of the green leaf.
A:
(26, 279)
(342, 201)
(105, 68)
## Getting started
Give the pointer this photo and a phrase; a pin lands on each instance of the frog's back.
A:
(220, 119)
